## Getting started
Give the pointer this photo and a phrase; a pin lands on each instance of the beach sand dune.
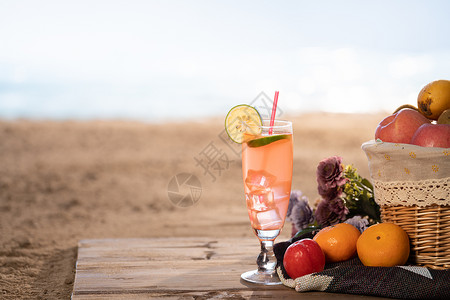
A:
(65, 181)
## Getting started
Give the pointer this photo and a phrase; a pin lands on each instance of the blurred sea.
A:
(70, 103)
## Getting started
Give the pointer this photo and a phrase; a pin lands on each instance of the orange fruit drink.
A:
(267, 172)
(267, 158)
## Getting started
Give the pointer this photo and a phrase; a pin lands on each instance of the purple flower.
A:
(299, 211)
(294, 198)
(331, 211)
(330, 176)
(329, 193)
(360, 223)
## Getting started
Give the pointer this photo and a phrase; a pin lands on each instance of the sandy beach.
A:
(65, 181)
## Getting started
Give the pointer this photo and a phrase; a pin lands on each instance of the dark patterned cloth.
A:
(352, 277)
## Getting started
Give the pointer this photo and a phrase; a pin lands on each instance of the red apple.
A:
(383, 124)
(432, 135)
(303, 257)
(401, 126)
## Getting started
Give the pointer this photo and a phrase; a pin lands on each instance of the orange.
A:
(338, 242)
(383, 245)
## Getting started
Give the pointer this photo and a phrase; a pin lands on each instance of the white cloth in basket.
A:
(404, 174)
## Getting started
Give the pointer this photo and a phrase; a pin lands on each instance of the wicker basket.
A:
(428, 229)
(412, 187)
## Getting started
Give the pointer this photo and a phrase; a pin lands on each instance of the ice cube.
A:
(269, 219)
(260, 201)
(259, 181)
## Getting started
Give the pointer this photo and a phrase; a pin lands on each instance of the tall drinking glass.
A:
(267, 172)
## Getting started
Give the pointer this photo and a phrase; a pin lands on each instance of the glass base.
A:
(267, 235)
(261, 277)
(266, 273)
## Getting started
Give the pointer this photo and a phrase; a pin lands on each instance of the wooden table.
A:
(174, 268)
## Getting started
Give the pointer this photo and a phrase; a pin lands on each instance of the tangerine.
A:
(383, 245)
(338, 242)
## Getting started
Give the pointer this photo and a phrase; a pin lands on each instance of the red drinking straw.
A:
(274, 110)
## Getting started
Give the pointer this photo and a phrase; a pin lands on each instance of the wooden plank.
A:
(199, 268)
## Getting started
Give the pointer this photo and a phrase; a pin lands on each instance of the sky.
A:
(158, 60)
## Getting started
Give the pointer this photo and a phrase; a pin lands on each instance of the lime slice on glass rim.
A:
(240, 120)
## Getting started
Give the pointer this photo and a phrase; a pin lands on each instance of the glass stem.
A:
(266, 260)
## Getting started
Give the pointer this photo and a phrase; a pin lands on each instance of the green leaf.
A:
(306, 230)
(367, 183)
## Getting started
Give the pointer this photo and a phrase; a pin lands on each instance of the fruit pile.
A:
(427, 125)
(380, 245)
